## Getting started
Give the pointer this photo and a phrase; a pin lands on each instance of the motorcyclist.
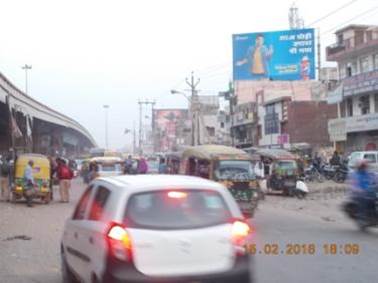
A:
(363, 190)
(335, 160)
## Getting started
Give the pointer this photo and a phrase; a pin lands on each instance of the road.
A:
(279, 221)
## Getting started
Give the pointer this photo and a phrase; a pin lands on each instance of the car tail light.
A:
(240, 231)
(119, 242)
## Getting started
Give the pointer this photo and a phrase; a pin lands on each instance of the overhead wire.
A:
(332, 12)
(350, 20)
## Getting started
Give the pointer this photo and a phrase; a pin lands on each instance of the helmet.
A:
(362, 164)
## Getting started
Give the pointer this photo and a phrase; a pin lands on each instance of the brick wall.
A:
(308, 122)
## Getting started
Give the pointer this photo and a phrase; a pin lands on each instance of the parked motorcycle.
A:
(337, 173)
(312, 174)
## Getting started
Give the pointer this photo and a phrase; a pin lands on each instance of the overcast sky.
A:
(89, 53)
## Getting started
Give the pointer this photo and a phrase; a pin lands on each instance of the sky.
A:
(85, 54)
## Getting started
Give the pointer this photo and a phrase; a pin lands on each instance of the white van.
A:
(370, 156)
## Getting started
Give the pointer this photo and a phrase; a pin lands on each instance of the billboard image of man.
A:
(257, 58)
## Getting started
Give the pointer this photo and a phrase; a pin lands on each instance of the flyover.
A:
(27, 125)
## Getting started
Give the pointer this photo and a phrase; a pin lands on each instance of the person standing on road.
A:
(29, 183)
(128, 165)
(142, 166)
(4, 179)
(162, 166)
(65, 175)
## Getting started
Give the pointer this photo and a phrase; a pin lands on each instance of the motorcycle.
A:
(351, 208)
(312, 174)
(337, 173)
(341, 173)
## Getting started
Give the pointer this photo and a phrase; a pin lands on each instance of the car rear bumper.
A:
(120, 273)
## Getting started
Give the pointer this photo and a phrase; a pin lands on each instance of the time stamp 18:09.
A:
(350, 249)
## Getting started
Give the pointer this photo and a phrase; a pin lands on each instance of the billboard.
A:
(169, 126)
(280, 55)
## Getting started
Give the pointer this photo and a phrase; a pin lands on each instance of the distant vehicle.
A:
(281, 170)
(370, 156)
(97, 152)
(154, 228)
(108, 166)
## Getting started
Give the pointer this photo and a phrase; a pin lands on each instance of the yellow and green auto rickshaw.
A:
(230, 166)
(41, 175)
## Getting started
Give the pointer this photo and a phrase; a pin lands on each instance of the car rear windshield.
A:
(176, 209)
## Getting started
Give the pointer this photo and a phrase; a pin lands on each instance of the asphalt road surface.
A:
(29, 243)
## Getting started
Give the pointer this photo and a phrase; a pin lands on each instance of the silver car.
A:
(155, 228)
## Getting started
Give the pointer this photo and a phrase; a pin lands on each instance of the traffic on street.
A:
(187, 142)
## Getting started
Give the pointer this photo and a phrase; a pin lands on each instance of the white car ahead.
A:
(155, 228)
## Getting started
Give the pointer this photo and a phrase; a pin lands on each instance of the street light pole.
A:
(26, 68)
(106, 107)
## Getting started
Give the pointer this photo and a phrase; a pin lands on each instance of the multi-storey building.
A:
(356, 53)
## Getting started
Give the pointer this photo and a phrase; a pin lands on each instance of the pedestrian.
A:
(5, 171)
(128, 165)
(53, 169)
(29, 183)
(142, 166)
(65, 175)
(162, 166)
(93, 172)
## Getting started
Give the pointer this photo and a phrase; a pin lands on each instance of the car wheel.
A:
(67, 275)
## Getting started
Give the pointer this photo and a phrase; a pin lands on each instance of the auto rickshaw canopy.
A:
(215, 152)
(41, 168)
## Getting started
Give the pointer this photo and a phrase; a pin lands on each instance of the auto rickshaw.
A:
(227, 165)
(281, 170)
(41, 174)
(108, 166)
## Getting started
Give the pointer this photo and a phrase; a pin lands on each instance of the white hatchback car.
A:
(156, 228)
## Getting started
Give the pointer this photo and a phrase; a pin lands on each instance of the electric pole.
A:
(229, 95)
(194, 105)
(26, 68)
(141, 103)
(106, 107)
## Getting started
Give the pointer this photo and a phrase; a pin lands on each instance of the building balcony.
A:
(351, 47)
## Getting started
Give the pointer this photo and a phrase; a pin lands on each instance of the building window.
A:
(342, 71)
(365, 64)
(376, 61)
(376, 103)
(349, 71)
(210, 131)
(342, 109)
(349, 107)
(222, 125)
(354, 68)
(340, 39)
(269, 109)
(364, 104)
